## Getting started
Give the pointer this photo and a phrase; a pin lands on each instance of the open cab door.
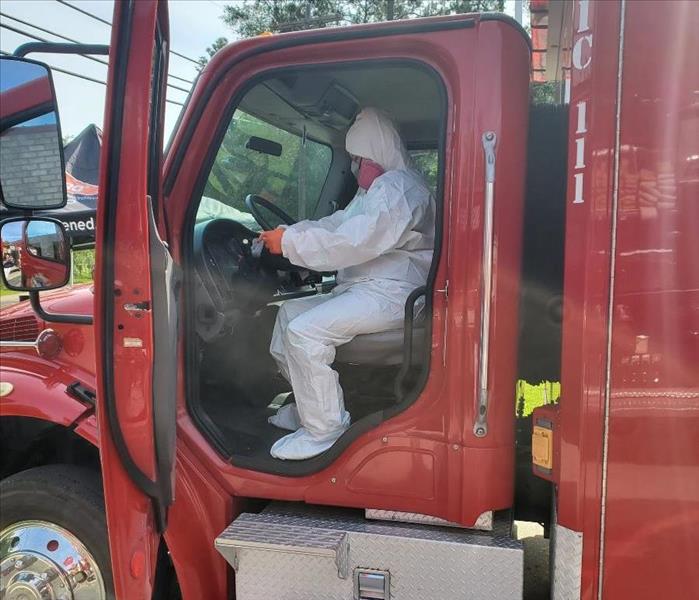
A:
(135, 316)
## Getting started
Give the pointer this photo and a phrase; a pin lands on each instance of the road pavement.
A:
(536, 560)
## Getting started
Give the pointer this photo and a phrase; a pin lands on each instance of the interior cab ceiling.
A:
(325, 101)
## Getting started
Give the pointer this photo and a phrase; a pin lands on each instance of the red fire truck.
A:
(135, 445)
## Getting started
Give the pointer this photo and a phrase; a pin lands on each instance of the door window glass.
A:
(427, 163)
(258, 158)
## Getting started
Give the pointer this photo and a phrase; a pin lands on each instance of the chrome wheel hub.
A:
(42, 561)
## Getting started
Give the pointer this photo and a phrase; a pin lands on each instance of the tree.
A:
(371, 11)
(252, 17)
(545, 92)
(211, 50)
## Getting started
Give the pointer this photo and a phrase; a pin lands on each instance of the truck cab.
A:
(159, 377)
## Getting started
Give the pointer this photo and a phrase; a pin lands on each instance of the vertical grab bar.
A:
(408, 323)
(480, 427)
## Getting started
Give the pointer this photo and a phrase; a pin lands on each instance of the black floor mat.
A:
(243, 421)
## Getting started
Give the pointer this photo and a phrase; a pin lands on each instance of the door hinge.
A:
(445, 289)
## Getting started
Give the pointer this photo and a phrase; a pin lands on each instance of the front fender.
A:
(38, 388)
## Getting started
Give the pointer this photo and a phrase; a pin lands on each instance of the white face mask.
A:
(354, 167)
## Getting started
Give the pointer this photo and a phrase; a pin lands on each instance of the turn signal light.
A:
(48, 344)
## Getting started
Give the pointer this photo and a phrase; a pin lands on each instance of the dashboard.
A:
(232, 281)
(226, 267)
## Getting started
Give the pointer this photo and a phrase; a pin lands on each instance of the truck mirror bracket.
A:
(60, 48)
(56, 317)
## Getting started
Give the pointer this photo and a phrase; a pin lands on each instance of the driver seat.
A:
(385, 348)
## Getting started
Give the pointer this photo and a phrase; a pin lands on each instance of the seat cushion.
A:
(379, 349)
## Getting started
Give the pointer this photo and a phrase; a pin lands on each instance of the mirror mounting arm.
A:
(56, 317)
(59, 48)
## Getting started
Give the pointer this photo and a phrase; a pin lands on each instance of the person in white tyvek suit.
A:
(381, 247)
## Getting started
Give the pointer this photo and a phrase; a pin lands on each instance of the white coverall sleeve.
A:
(358, 239)
(330, 222)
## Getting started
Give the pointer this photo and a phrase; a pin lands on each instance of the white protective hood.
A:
(373, 136)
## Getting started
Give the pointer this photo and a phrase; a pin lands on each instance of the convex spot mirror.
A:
(32, 171)
(35, 254)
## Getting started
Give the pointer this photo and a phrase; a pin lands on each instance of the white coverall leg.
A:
(287, 417)
(288, 311)
(305, 337)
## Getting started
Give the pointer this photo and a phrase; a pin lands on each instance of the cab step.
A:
(301, 552)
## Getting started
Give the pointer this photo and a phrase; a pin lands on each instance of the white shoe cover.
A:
(287, 417)
(301, 444)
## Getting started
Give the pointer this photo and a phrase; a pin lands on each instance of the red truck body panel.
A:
(629, 413)
(652, 470)
(13, 101)
(39, 384)
(36, 269)
(77, 354)
(586, 278)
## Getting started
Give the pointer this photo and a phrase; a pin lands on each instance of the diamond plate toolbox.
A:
(294, 552)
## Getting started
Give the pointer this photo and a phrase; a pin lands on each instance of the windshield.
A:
(258, 158)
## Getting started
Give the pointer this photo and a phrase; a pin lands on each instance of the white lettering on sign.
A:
(86, 225)
(583, 26)
(580, 153)
(582, 117)
(578, 189)
(578, 52)
(581, 58)
(583, 15)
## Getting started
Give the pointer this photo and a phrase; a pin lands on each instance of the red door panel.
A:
(136, 466)
(484, 65)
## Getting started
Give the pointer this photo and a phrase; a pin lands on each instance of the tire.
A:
(67, 496)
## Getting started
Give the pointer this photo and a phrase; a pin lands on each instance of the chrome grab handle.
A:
(41, 338)
(17, 344)
(480, 427)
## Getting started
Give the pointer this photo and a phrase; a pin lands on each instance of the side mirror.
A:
(35, 254)
(32, 170)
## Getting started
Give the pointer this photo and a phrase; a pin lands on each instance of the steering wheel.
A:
(254, 202)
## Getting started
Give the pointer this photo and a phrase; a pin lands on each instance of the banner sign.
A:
(82, 159)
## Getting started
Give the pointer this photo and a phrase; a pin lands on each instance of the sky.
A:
(14, 73)
(194, 25)
(12, 231)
